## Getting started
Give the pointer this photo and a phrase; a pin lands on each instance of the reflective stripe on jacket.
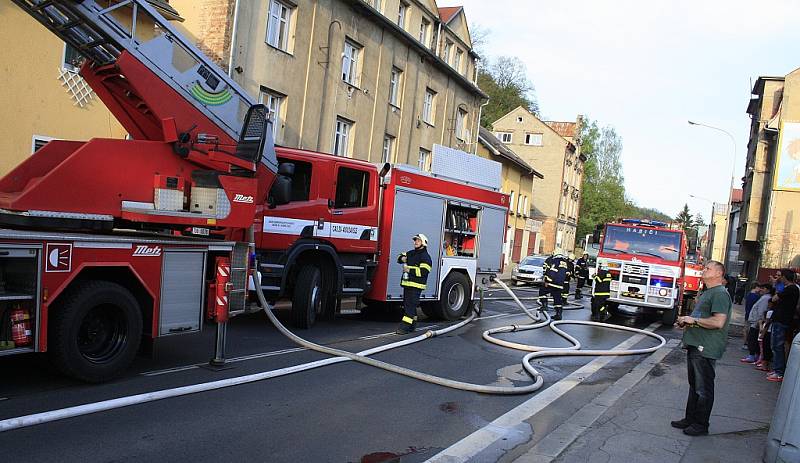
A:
(419, 266)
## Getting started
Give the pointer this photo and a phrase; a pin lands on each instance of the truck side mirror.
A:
(281, 191)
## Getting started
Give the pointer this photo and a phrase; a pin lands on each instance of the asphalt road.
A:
(346, 412)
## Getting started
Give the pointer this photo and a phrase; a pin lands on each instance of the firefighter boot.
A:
(557, 316)
(604, 315)
(543, 303)
(578, 295)
(406, 325)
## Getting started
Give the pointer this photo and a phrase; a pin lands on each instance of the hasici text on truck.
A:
(646, 260)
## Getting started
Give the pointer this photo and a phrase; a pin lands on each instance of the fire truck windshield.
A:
(662, 244)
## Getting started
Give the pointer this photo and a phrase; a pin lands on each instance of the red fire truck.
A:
(347, 221)
(692, 272)
(113, 243)
(646, 260)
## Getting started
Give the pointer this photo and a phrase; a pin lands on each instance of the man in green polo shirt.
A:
(704, 337)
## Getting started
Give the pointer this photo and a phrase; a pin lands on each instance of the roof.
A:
(736, 195)
(497, 148)
(447, 13)
(565, 129)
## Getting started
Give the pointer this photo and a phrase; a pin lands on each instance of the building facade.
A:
(554, 149)
(379, 80)
(523, 232)
(769, 228)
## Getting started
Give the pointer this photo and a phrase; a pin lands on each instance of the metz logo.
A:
(405, 179)
(147, 251)
(240, 198)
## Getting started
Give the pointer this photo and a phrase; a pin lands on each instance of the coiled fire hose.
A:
(535, 351)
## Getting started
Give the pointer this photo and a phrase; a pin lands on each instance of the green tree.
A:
(603, 191)
(505, 80)
(684, 218)
(699, 221)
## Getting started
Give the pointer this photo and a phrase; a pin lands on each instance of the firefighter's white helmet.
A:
(422, 238)
(558, 252)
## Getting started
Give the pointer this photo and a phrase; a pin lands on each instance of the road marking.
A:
(494, 432)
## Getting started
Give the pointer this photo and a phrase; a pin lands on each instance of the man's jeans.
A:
(778, 346)
(701, 387)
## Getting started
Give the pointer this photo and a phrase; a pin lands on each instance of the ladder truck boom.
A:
(201, 154)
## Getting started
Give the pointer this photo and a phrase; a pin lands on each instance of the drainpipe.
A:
(326, 85)
(233, 37)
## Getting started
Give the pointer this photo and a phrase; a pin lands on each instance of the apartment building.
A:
(379, 80)
(523, 232)
(554, 149)
(769, 228)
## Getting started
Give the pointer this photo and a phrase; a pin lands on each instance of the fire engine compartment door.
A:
(491, 231)
(415, 212)
(182, 284)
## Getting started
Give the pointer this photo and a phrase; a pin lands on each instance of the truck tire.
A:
(669, 316)
(455, 299)
(95, 331)
(308, 300)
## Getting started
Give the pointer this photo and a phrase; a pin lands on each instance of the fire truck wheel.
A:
(669, 317)
(454, 300)
(309, 297)
(95, 331)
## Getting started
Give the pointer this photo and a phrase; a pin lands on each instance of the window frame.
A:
(461, 119)
(351, 75)
(284, 25)
(529, 136)
(68, 66)
(424, 159)
(424, 31)
(377, 4)
(341, 138)
(429, 106)
(511, 202)
(458, 58)
(395, 80)
(387, 152)
(278, 119)
(46, 139)
(365, 188)
(501, 136)
(402, 14)
(448, 50)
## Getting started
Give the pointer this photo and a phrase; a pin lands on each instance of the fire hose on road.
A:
(539, 321)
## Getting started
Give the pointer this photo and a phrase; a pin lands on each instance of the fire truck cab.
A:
(646, 260)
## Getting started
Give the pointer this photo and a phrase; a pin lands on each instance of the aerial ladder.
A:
(201, 155)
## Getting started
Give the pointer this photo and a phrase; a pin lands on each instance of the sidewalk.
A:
(634, 427)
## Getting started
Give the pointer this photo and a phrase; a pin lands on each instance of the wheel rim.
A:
(455, 297)
(316, 300)
(103, 333)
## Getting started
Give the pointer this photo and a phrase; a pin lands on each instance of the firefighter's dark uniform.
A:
(601, 292)
(582, 272)
(570, 273)
(419, 265)
(556, 273)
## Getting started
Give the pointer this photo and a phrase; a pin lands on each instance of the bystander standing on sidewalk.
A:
(784, 307)
(755, 315)
(704, 337)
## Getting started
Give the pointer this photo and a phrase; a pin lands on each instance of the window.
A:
(504, 137)
(401, 15)
(350, 63)
(519, 119)
(352, 188)
(72, 58)
(533, 139)
(424, 27)
(511, 202)
(376, 4)
(278, 25)
(394, 87)
(388, 148)
(461, 117)
(341, 138)
(38, 142)
(301, 180)
(525, 209)
(457, 62)
(427, 106)
(448, 50)
(274, 102)
(424, 159)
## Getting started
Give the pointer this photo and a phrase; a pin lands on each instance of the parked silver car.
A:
(529, 270)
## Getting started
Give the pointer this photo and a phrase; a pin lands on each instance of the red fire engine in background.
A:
(693, 272)
(646, 259)
(113, 243)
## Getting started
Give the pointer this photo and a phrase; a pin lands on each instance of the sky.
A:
(645, 68)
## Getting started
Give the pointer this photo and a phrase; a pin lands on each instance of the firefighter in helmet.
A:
(556, 274)
(600, 294)
(570, 274)
(416, 266)
(582, 272)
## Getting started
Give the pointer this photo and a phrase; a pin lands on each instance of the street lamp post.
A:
(730, 189)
